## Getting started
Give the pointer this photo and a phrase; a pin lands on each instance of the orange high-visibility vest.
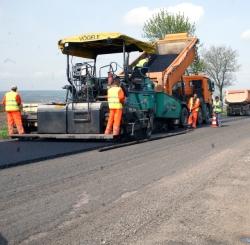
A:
(113, 98)
(194, 104)
(11, 103)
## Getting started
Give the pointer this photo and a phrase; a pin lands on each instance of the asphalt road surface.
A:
(14, 152)
(185, 190)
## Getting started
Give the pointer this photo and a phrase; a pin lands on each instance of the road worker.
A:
(193, 106)
(116, 99)
(142, 62)
(13, 104)
(143, 65)
(217, 109)
(110, 79)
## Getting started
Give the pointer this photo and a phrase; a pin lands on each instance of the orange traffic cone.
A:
(214, 122)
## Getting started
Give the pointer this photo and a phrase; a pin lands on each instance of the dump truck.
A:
(151, 98)
(238, 102)
(167, 68)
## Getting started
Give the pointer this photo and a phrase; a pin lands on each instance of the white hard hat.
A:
(13, 87)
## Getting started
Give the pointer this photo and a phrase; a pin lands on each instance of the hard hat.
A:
(116, 80)
(13, 87)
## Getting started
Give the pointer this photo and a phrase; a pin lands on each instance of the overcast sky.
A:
(30, 30)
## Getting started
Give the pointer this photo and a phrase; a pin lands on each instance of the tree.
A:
(220, 65)
(164, 23)
(198, 64)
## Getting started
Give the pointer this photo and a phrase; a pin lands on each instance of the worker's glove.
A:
(21, 107)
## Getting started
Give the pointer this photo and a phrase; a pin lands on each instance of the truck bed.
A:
(238, 96)
(159, 63)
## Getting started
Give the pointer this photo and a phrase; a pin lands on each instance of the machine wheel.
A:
(184, 117)
(160, 126)
(123, 132)
(150, 126)
(199, 119)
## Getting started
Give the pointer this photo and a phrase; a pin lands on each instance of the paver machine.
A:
(84, 113)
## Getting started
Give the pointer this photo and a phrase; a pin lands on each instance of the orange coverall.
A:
(116, 99)
(193, 106)
(12, 102)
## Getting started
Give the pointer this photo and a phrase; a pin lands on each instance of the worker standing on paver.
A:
(116, 99)
(13, 104)
(110, 78)
(143, 62)
(143, 65)
(193, 106)
(217, 109)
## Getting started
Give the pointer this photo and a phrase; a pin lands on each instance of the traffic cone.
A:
(214, 122)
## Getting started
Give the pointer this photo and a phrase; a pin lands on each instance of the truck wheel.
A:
(207, 116)
(184, 117)
(242, 113)
(200, 119)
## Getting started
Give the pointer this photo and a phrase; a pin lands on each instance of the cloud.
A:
(48, 74)
(245, 35)
(192, 11)
(5, 74)
(138, 16)
(8, 60)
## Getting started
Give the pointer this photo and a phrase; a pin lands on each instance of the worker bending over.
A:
(13, 104)
(116, 99)
(193, 106)
(217, 109)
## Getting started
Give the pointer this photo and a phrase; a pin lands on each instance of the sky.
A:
(30, 30)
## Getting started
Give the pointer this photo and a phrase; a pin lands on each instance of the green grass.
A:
(4, 133)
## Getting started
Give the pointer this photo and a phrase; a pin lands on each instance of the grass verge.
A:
(3, 126)
(4, 133)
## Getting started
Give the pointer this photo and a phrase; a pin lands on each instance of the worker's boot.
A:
(116, 131)
(108, 131)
